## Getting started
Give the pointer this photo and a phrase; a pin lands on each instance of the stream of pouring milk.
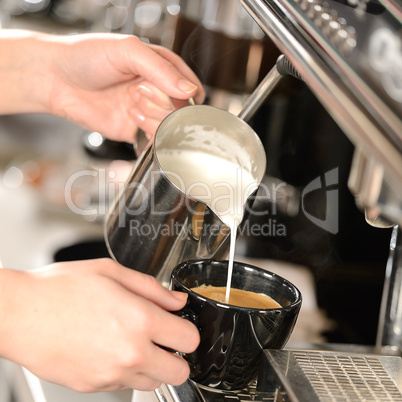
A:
(221, 184)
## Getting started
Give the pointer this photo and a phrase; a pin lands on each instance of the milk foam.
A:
(220, 183)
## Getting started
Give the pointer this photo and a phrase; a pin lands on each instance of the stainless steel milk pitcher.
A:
(154, 224)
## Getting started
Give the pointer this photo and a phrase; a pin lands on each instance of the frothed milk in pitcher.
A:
(222, 184)
(196, 175)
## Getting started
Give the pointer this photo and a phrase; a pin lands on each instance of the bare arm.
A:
(109, 83)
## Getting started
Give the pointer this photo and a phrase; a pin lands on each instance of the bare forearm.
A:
(8, 286)
(25, 66)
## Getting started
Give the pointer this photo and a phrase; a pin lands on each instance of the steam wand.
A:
(256, 99)
(288, 197)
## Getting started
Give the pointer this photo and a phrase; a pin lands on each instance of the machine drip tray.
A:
(327, 376)
(308, 376)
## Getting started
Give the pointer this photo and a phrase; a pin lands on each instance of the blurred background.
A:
(231, 55)
(340, 271)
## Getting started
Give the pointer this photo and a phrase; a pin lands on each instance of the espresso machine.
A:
(349, 54)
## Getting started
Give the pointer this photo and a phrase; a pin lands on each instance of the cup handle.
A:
(187, 314)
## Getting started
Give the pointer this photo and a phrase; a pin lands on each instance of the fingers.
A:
(178, 103)
(169, 369)
(147, 124)
(142, 285)
(167, 83)
(160, 328)
(153, 102)
(181, 66)
(165, 70)
(153, 95)
(177, 334)
(142, 382)
(166, 329)
(151, 106)
(159, 367)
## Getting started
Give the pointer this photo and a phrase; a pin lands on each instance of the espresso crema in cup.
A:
(238, 297)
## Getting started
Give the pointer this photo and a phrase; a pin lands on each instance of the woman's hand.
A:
(114, 83)
(108, 83)
(94, 326)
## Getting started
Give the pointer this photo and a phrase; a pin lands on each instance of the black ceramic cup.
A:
(232, 338)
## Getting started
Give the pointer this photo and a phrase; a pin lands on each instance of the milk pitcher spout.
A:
(181, 194)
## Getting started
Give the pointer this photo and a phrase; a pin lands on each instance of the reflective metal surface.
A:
(154, 225)
(308, 376)
(389, 335)
(349, 57)
(191, 392)
(317, 376)
(265, 87)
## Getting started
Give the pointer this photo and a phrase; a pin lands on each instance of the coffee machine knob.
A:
(350, 43)
(332, 30)
(330, 24)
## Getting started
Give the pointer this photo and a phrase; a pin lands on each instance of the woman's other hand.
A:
(94, 326)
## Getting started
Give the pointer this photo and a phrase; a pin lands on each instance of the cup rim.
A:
(297, 303)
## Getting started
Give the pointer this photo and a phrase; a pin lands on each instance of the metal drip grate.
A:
(348, 378)
(308, 376)
(250, 394)
(190, 392)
